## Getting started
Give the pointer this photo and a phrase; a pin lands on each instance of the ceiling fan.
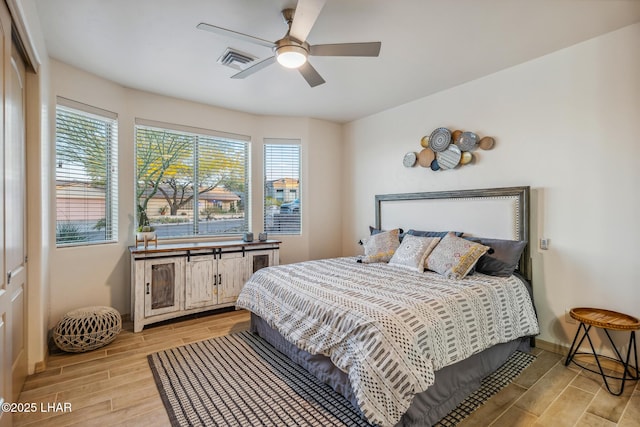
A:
(292, 50)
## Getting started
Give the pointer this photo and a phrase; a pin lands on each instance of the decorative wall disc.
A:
(435, 166)
(409, 159)
(455, 135)
(466, 157)
(449, 158)
(467, 141)
(440, 139)
(425, 141)
(425, 157)
(486, 143)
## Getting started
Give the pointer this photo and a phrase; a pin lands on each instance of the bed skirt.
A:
(452, 385)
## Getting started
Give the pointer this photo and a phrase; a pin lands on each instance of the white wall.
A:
(99, 275)
(566, 124)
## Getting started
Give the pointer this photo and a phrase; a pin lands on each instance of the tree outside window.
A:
(86, 174)
(190, 184)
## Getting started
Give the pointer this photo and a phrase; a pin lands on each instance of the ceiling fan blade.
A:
(254, 68)
(234, 34)
(306, 14)
(346, 49)
(311, 75)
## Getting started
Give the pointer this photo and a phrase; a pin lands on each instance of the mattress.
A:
(389, 329)
(452, 383)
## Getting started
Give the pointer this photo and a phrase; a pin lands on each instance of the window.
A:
(191, 182)
(282, 186)
(86, 174)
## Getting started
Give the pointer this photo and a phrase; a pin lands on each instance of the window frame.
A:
(281, 195)
(198, 134)
(111, 193)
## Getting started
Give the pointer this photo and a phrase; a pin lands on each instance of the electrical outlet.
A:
(567, 316)
(544, 243)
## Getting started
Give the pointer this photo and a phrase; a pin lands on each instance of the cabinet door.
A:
(258, 260)
(164, 285)
(231, 276)
(200, 287)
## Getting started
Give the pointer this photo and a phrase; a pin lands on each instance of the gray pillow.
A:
(503, 260)
(439, 234)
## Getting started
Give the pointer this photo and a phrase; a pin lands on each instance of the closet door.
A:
(5, 291)
(15, 218)
(5, 313)
(13, 274)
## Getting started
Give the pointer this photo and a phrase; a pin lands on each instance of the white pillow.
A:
(412, 252)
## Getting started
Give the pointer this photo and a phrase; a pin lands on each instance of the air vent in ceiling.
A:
(235, 59)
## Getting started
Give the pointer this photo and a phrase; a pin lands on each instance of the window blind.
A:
(191, 184)
(282, 207)
(86, 175)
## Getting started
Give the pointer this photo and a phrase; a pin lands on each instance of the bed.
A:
(405, 346)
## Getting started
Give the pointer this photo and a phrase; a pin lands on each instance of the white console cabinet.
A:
(173, 280)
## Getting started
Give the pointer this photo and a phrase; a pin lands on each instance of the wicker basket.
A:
(87, 328)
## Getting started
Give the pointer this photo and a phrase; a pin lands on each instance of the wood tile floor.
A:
(113, 386)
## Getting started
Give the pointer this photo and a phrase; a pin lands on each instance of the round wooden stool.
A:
(606, 320)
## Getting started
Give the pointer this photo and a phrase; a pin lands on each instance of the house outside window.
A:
(191, 182)
(86, 174)
(282, 207)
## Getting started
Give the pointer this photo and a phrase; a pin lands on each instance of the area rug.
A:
(241, 380)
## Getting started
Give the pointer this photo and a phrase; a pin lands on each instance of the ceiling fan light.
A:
(291, 56)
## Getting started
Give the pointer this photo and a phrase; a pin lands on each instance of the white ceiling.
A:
(427, 46)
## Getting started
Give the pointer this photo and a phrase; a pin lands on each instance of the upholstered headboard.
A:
(499, 213)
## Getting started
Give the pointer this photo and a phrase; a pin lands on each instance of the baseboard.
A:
(552, 347)
(41, 366)
(563, 350)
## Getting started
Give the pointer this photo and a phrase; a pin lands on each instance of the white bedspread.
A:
(387, 327)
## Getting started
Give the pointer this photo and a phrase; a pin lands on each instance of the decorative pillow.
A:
(503, 259)
(439, 234)
(373, 230)
(380, 247)
(454, 256)
(413, 251)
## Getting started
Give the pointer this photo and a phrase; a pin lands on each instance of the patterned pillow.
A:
(373, 230)
(380, 247)
(412, 252)
(454, 256)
